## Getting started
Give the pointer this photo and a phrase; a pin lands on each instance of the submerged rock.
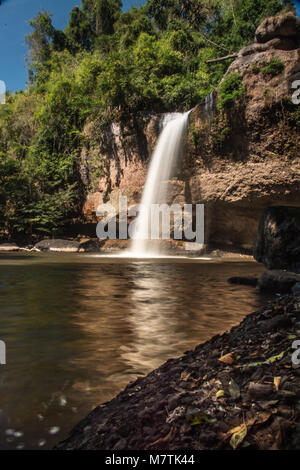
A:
(66, 246)
(243, 281)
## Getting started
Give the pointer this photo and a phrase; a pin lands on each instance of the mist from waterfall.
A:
(162, 166)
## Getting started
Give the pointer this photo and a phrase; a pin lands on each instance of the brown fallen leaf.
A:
(238, 436)
(185, 375)
(260, 418)
(231, 432)
(277, 381)
(227, 359)
(234, 389)
(163, 440)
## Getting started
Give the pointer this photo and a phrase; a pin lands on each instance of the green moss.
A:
(197, 137)
(273, 68)
(296, 116)
(231, 88)
(269, 69)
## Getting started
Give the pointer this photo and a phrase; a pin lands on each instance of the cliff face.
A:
(239, 159)
(120, 153)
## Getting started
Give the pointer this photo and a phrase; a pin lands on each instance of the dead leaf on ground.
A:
(238, 436)
(185, 375)
(278, 357)
(226, 359)
(277, 381)
(163, 440)
(234, 389)
(200, 418)
(260, 418)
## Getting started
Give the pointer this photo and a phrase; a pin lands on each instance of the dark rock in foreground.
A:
(277, 244)
(240, 389)
(277, 281)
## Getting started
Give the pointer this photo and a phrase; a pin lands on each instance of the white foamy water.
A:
(162, 165)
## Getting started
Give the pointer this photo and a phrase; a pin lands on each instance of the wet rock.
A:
(243, 281)
(277, 281)
(296, 289)
(280, 321)
(277, 245)
(90, 245)
(258, 391)
(65, 246)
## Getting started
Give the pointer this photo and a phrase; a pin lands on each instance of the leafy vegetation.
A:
(273, 68)
(108, 64)
(270, 69)
(231, 88)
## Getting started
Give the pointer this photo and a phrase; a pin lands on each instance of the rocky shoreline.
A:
(94, 245)
(239, 390)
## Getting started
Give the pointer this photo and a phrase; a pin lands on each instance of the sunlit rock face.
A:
(237, 163)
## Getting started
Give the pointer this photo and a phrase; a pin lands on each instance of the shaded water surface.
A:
(79, 328)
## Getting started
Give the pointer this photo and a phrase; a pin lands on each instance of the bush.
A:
(231, 88)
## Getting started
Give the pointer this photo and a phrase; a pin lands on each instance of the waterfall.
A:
(162, 166)
(209, 106)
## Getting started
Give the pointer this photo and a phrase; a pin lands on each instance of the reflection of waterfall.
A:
(161, 169)
(156, 318)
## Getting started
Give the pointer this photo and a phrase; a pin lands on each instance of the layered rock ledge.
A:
(238, 390)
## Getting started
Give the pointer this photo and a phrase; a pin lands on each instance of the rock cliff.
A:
(242, 152)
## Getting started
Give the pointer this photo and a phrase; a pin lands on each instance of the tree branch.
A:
(221, 59)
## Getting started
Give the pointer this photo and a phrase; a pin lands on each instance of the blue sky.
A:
(14, 17)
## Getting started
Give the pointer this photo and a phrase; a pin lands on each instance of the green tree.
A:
(79, 31)
(40, 39)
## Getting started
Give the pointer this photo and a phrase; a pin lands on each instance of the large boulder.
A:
(66, 246)
(285, 25)
(277, 245)
(277, 281)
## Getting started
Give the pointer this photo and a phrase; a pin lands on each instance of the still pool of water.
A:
(78, 328)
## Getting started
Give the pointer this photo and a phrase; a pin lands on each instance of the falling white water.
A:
(162, 165)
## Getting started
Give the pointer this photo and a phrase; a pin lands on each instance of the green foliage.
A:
(273, 68)
(295, 116)
(231, 88)
(197, 137)
(236, 20)
(109, 65)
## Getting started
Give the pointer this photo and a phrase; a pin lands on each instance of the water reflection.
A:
(78, 329)
(153, 317)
